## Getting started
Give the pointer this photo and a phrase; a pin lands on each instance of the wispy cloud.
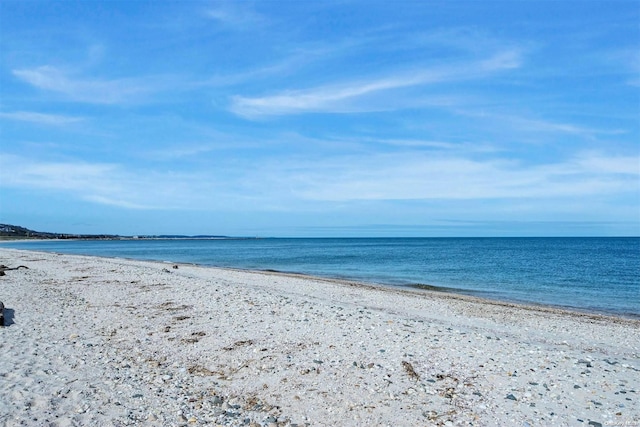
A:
(525, 123)
(596, 162)
(180, 151)
(423, 176)
(630, 59)
(120, 203)
(235, 15)
(97, 182)
(290, 63)
(88, 90)
(465, 146)
(336, 97)
(114, 184)
(41, 118)
(294, 182)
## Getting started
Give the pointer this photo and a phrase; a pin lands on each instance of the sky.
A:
(321, 118)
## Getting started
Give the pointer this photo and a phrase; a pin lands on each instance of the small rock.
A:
(431, 415)
(511, 397)
(585, 362)
(595, 424)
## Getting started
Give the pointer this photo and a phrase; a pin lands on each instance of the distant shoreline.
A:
(65, 239)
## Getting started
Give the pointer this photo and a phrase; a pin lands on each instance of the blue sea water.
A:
(589, 274)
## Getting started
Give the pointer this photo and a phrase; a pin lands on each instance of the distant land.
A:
(16, 232)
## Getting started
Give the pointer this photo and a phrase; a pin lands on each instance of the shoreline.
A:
(447, 292)
(437, 290)
(113, 341)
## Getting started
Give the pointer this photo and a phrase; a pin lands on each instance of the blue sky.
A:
(332, 118)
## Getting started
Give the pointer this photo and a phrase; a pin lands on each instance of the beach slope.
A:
(96, 341)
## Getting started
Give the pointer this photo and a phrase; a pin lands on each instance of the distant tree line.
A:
(18, 232)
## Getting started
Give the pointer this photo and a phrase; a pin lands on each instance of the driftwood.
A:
(4, 268)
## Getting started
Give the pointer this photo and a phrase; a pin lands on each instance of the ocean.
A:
(597, 274)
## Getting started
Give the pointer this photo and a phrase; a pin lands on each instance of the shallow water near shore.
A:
(590, 274)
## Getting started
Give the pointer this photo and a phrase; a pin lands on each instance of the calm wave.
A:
(594, 274)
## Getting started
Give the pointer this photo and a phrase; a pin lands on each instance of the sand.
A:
(111, 342)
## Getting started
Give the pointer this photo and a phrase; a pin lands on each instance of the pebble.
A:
(585, 362)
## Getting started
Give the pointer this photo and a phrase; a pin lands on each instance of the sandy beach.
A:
(113, 342)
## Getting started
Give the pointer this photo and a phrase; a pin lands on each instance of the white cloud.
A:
(21, 171)
(115, 185)
(231, 14)
(420, 176)
(617, 165)
(626, 61)
(337, 97)
(291, 184)
(41, 118)
(505, 60)
(467, 147)
(103, 200)
(98, 182)
(523, 123)
(94, 91)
